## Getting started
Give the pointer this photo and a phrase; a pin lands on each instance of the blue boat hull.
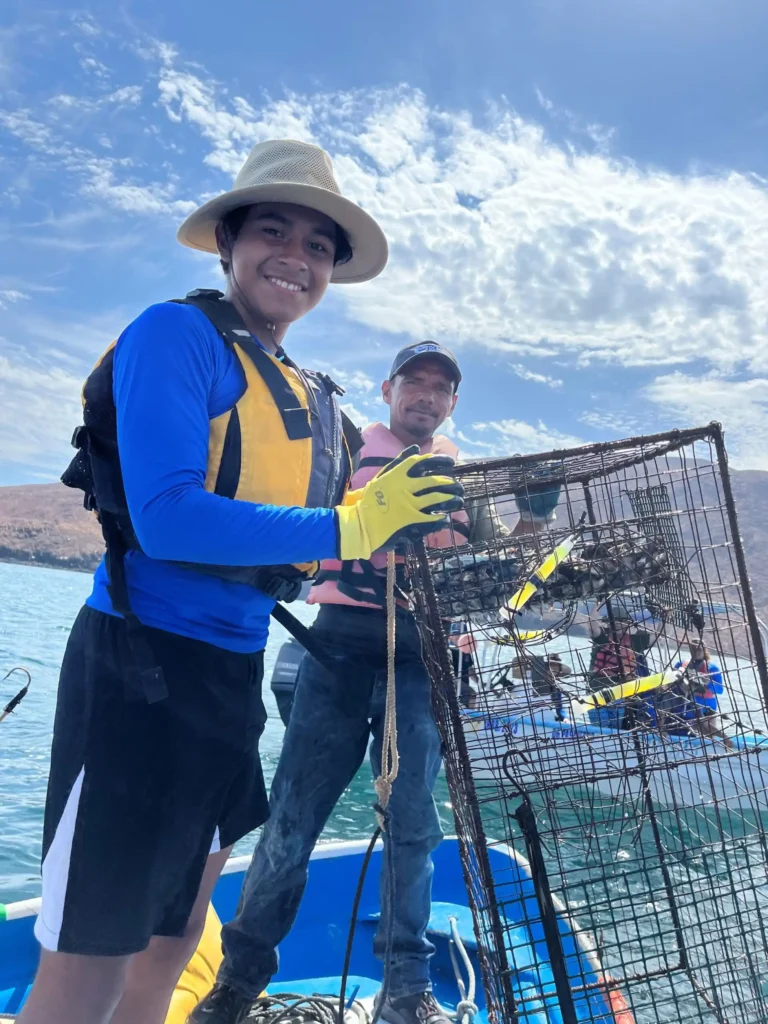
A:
(312, 956)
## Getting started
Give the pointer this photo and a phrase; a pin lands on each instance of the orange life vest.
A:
(610, 655)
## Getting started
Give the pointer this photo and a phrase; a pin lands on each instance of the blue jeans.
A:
(333, 717)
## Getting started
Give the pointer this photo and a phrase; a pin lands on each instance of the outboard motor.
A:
(284, 676)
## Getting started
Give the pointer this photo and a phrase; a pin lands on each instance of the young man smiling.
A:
(218, 469)
(334, 716)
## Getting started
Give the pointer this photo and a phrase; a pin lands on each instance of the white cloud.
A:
(544, 103)
(30, 131)
(39, 409)
(610, 424)
(740, 405)
(95, 67)
(233, 131)
(355, 380)
(86, 25)
(552, 248)
(500, 236)
(516, 437)
(361, 418)
(132, 198)
(129, 94)
(536, 378)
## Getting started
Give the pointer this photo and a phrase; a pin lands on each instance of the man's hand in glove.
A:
(406, 500)
(536, 504)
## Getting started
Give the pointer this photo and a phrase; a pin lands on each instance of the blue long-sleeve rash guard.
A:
(172, 375)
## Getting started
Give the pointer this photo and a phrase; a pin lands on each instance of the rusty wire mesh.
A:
(648, 814)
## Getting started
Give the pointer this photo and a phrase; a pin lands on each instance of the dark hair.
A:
(232, 224)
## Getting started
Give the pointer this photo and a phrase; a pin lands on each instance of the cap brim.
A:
(452, 367)
(369, 246)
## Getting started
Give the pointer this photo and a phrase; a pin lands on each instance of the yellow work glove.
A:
(352, 497)
(406, 500)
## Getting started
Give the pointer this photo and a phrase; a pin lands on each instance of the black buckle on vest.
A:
(330, 384)
(280, 588)
(80, 436)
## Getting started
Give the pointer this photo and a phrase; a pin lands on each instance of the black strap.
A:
(374, 461)
(526, 819)
(460, 527)
(295, 416)
(366, 585)
(300, 632)
(230, 326)
(146, 680)
(352, 435)
(228, 477)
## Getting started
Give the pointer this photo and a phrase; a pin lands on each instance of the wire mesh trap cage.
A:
(601, 689)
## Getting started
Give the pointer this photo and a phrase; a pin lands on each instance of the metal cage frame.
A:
(587, 478)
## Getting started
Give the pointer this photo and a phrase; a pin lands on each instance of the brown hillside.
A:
(47, 524)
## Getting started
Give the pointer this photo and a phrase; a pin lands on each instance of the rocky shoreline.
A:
(46, 561)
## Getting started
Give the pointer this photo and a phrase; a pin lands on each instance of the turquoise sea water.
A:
(37, 609)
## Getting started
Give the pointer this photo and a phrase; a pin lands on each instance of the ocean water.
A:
(602, 858)
(37, 609)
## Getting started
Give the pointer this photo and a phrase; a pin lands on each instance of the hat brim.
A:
(453, 369)
(367, 240)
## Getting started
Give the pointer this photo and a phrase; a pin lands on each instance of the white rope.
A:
(466, 1008)
(390, 759)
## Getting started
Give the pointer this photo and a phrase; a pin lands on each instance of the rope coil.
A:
(390, 759)
(289, 1008)
(466, 1008)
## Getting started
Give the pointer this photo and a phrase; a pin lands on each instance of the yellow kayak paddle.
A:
(632, 688)
(525, 636)
(542, 572)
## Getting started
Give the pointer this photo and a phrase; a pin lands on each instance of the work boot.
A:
(421, 1008)
(222, 1005)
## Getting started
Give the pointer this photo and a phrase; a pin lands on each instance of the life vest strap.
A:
(144, 679)
(228, 476)
(230, 326)
(352, 435)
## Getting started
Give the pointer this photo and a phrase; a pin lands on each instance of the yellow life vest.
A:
(285, 442)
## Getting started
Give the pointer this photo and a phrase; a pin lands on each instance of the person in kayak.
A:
(540, 677)
(218, 469)
(335, 715)
(619, 654)
(705, 680)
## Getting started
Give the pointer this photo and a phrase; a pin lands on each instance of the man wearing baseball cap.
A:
(219, 471)
(337, 715)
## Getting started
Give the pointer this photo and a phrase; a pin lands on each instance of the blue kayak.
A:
(312, 956)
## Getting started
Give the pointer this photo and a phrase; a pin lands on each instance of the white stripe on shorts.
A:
(56, 872)
(216, 844)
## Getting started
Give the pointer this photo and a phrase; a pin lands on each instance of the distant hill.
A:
(46, 524)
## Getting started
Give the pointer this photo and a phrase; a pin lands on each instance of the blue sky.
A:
(575, 195)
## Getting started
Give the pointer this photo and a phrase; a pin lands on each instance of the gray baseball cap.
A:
(426, 348)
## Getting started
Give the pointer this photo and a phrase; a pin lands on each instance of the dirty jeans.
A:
(333, 717)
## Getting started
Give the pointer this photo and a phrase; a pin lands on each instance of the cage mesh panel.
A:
(651, 829)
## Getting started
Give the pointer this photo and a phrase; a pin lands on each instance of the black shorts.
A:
(139, 794)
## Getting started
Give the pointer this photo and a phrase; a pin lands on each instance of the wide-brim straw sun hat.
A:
(286, 171)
